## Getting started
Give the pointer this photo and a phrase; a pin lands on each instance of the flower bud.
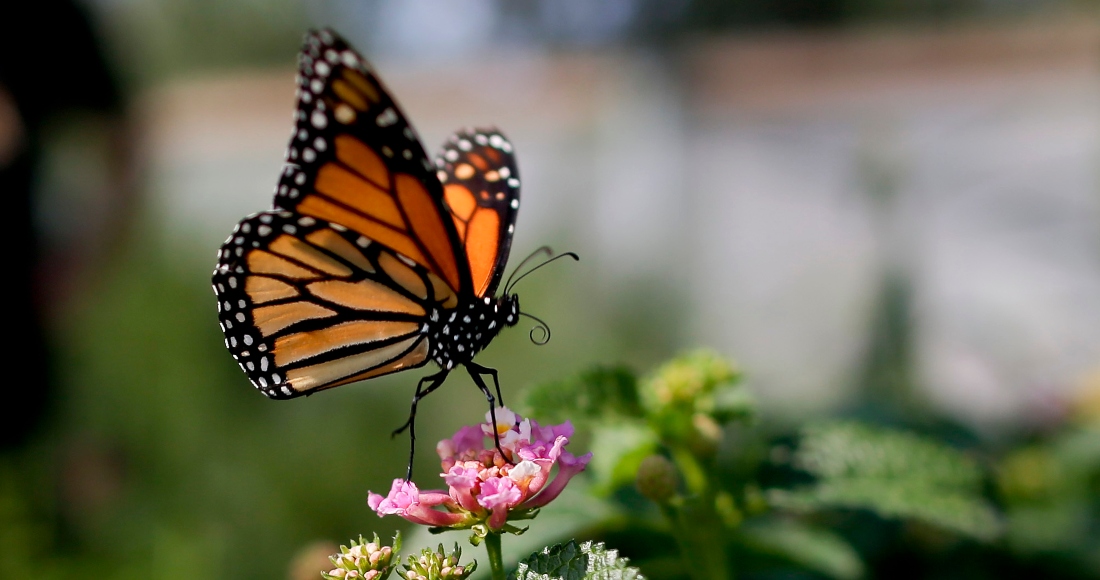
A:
(437, 565)
(657, 479)
(362, 561)
(706, 436)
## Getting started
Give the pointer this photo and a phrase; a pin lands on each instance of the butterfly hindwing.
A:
(355, 160)
(481, 188)
(307, 305)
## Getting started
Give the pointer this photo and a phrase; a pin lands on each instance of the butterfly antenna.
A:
(540, 250)
(508, 288)
(542, 327)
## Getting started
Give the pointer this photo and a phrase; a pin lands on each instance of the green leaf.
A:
(961, 513)
(604, 564)
(849, 449)
(732, 403)
(564, 561)
(817, 549)
(894, 474)
(1048, 528)
(617, 453)
(592, 395)
(589, 561)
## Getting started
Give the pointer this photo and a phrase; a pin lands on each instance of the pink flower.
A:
(406, 501)
(484, 486)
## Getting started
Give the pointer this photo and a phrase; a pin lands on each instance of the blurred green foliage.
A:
(154, 40)
(893, 474)
(838, 499)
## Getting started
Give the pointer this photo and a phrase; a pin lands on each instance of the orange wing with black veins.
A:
(481, 190)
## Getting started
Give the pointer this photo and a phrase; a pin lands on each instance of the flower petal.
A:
(565, 473)
(499, 492)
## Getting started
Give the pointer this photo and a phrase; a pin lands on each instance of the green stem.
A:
(695, 476)
(698, 525)
(496, 558)
(698, 532)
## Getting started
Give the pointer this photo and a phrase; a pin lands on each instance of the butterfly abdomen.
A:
(457, 334)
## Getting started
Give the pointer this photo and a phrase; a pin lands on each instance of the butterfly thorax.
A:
(457, 334)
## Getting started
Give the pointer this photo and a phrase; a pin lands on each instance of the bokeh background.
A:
(877, 207)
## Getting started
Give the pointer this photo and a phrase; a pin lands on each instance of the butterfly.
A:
(374, 260)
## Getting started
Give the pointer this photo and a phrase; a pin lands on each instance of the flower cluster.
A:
(363, 560)
(486, 487)
(438, 565)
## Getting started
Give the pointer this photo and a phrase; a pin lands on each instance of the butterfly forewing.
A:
(481, 188)
(306, 304)
(355, 160)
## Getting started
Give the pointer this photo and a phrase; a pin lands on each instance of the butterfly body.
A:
(458, 334)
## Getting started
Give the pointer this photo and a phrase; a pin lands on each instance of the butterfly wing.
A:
(481, 189)
(307, 304)
(354, 160)
(337, 284)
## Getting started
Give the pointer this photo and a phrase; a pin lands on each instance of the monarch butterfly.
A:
(373, 260)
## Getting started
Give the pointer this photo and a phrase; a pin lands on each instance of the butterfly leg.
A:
(491, 372)
(475, 373)
(435, 381)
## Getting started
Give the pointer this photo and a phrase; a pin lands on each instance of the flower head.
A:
(487, 486)
(438, 565)
(363, 560)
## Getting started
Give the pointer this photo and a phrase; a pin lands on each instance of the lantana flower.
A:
(485, 487)
(363, 560)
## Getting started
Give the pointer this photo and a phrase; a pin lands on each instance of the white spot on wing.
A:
(386, 118)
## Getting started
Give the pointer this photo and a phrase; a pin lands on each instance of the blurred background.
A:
(879, 208)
